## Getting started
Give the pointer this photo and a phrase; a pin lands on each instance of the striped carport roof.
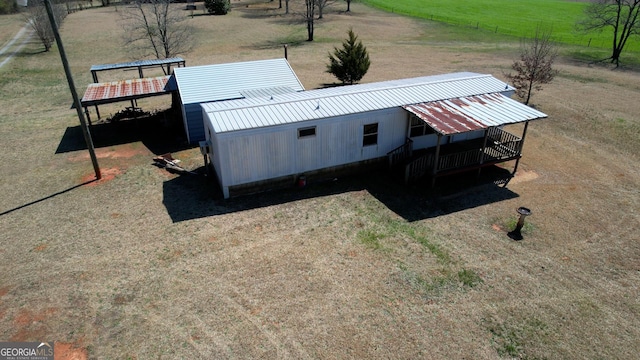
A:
(137, 63)
(109, 92)
(472, 113)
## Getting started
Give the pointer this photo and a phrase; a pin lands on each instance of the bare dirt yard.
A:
(147, 264)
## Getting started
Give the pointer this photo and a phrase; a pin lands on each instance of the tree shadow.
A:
(161, 133)
(189, 197)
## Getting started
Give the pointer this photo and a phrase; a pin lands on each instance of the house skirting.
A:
(310, 177)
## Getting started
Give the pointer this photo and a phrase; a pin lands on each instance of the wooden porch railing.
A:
(418, 167)
(459, 160)
(500, 145)
(402, 152)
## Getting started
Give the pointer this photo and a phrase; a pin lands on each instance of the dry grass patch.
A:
(150, 264)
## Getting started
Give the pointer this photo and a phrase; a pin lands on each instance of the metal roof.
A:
(217, 82)
(471, 113)
(322, 103)
(103, 93)
(348, 89)
(267, 92)
(137, 63)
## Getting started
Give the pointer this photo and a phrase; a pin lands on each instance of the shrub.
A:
(218, 7)
(8, 7)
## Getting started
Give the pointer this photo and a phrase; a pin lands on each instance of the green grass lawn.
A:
(510, 17)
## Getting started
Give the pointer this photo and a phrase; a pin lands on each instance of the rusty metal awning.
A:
(472, 113)
(123, 90)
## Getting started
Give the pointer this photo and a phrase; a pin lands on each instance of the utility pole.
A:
(72, 87)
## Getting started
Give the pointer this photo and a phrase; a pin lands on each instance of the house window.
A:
(370, 134)
(419, 127)
(307, 132)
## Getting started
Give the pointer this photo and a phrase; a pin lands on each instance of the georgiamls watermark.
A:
(26, 350)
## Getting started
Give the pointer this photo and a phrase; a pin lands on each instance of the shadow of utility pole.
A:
(47, 197)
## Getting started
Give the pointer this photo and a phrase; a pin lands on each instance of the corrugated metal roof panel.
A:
(217, 82)
(267, 92)
(100, 93)
(152, 62)
(471, 113)
(316, 104)
(403, 85)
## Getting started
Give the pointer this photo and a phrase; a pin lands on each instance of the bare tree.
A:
(309, 17)
(37, 18)
(535, 66)
(156, 28)
(621, 16)
(321, 5)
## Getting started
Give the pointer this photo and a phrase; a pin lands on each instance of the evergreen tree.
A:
(350, 63)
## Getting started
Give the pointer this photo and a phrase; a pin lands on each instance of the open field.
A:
(514, 18)
(147, 264)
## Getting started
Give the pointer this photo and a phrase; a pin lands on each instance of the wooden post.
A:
(435, 162)
(86, 112)
(482, 153)
(524, 133)
(74, 94)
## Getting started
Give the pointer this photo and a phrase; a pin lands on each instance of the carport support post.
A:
(76, 100)
(435, 162)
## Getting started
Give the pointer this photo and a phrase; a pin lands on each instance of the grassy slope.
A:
(9, 26)
(516, 18)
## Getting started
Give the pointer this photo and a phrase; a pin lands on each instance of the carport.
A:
(123, 90)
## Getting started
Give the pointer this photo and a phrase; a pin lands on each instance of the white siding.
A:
(266, 153)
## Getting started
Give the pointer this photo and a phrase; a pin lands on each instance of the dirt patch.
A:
(31, 325)
(107, 175)
(26, 317)
(40, 248)
(524, 176)
(125, 151)
(69, 351)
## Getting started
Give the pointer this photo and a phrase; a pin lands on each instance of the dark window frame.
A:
(306, 132)
(370, 134)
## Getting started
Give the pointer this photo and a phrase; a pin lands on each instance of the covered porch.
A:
(483, 116)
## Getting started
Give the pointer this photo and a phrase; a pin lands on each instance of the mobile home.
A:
(274, 138)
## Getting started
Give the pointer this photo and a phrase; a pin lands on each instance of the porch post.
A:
(435, 162)
(484, 147)
(524, 133)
